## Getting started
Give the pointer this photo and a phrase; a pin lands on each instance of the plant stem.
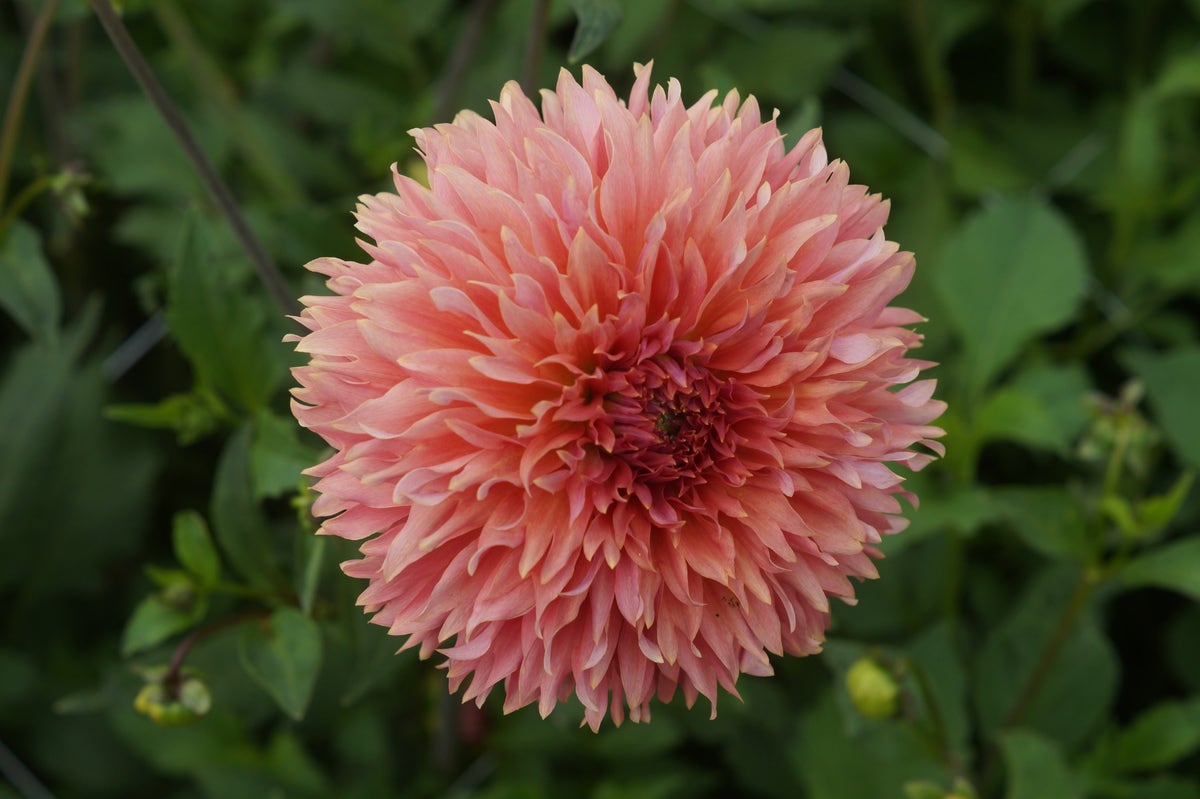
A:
(221, 195)
(533, 48)
(27, 195)
(941, 732)
(15, 110)
(175, 668)
(460, 60)
(218, 92)
(937, 79)
(1041, 670)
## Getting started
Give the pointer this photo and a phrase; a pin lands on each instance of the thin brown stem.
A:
(1066, 622)
(175, 668)
(219, 192)
(49, 96)
(1041, 669)
(218, 92)
(533, 48)
(14, 111)
(460, 60)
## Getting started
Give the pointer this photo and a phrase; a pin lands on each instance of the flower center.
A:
(669, 421)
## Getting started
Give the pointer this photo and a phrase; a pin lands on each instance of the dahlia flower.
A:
(613, 400)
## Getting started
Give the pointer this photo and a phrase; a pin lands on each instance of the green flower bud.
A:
(872, 689)
(195, 696)
(172, 706)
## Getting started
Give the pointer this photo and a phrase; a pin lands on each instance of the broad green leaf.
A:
(277, 456)
(76, 492)
(1011, 414)
(1172, 385)
(237, 520)
(295, 766)
(1160, 737)
(1082, 677)
(221, 327)
(1037, 768)
(155, 620)
(1174, 566)
(1046, 518)
(962, 510)
(283, 655)
(787, 64)
(194, 547)
(1062, 389)
(595, 21)
(1012, 271)
(28, 288)
(829, 760)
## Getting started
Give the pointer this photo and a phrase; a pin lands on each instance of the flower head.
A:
(613, 399)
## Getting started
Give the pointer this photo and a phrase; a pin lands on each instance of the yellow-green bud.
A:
(187, 703)
(872, 689)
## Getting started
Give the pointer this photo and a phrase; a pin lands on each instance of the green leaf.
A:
(788, 63)
(1046, 518)
(155, 620)
(277, 456)
(295, 766)
(829, 758)
(924, 789)
(1155, 513)
(192, 416)
(963, 510)
(238, 521)
(982, 167)
(1159, 737)
(1062, 389)
(194, 547)
(1172, 385)
(1180, 77)
(1082, 677)
(283, 656)
(1011, 414)
(220, 326)
(596, 20)
(1141, 158)
(28, 289)
(1037, 769)
(943, 675)
(1174, 566)
(1011, 272)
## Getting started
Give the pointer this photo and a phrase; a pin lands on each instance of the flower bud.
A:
(872, 689)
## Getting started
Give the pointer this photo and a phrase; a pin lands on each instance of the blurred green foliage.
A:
(1039, 622)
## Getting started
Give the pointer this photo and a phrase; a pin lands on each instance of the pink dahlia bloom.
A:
(613, 401)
